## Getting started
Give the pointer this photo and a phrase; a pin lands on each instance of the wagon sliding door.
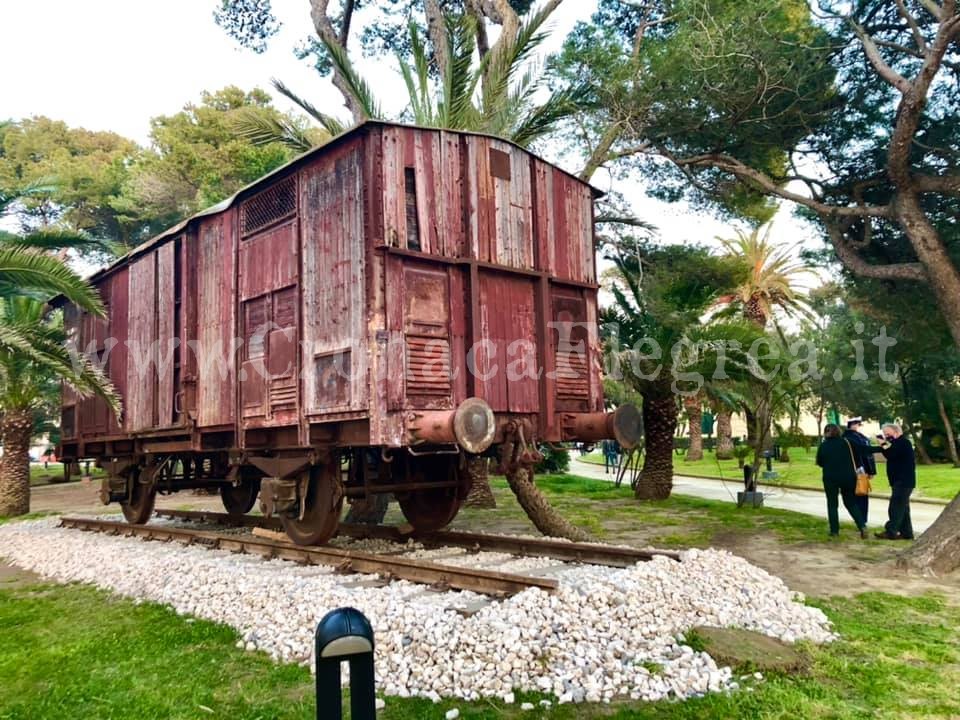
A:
(267, 280)
(153, 349)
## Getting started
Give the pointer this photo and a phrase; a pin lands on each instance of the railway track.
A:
(586, 553)
(485, 582)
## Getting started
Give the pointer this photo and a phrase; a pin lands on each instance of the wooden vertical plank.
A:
(394, 216)
(119, 329)
(141, 367)
(166, 333)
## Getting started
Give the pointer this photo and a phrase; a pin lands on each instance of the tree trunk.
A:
(938, 549)
(660, 423)
(923, 457)
(16, 426)
(695, 415)
(947, 428)
(538, 509)
(724, 435)
(481, 494)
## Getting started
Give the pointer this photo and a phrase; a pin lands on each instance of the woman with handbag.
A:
(836, 457)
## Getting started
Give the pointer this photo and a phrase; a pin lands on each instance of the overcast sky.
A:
(113, 64)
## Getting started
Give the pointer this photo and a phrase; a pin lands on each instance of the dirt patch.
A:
(12, 577)
(83, 498)
(842, 568)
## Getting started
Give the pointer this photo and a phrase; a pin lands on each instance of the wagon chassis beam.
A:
(496, 584)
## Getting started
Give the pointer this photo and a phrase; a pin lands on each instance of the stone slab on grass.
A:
(748, 650)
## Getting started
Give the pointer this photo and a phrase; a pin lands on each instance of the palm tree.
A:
(496, 94)
(24, 387)
(32, 350)
(661, 297)
(693, 404)
(771, 285)
(772, 282)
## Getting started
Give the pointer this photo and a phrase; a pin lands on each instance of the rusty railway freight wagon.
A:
(367, 319)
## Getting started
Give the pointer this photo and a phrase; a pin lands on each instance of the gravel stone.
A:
(592, 640)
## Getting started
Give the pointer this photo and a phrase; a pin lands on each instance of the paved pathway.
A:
(810, 502)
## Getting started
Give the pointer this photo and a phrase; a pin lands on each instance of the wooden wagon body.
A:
(354, 298)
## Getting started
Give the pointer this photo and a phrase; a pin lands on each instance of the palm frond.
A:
(329, 123)
(460, 80)
(27, 270)
(261, 129)
(40, 186)
(55, 239)
(358, 88)
(500, 67)
(544, 118)
(33, 350)
(417, 79)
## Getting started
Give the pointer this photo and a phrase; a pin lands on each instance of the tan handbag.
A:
(863, 480)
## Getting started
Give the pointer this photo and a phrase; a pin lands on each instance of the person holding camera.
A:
(863, 452)
(902, 474)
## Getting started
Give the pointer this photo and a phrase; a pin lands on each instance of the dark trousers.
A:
(609, 461)
(899, 512)
(863, 502)
(847, 491)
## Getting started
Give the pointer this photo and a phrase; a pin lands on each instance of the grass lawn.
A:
(73, 651)
(934, 481)
(681, 521)
(53, 473)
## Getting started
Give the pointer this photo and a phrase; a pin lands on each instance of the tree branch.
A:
(932, 8)
(769, 185)
(345, 25)
(914, 100)
(856, 264)
(914, 27)
(879, 64)
(436, 29)
(324, 27)
(943, 184)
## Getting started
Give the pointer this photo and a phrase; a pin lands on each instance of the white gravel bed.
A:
(605, 633)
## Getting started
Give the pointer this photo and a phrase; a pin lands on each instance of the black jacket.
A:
(835, 457)
(901, 463)
(862, 450)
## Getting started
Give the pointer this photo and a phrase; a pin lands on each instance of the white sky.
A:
(114, 64)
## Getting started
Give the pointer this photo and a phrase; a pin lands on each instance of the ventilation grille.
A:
(269, 207)
(283, 397)
(428, 366)
(573, 382)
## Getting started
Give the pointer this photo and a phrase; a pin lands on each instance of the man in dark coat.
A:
(863, 453)
(902, 474)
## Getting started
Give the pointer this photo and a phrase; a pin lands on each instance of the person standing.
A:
(902, 474)
(863, 452)
(609, 456)
(836, 457)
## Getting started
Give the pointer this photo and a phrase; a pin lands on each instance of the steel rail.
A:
(485, 582)
(586, 553)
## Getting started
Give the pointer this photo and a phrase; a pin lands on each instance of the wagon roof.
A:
(230, 201)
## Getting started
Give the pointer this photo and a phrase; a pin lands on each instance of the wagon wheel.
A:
(239, 499)
(433, 508)
(138, 509)
(321, 516)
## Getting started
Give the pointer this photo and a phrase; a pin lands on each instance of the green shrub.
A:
(555, 460)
